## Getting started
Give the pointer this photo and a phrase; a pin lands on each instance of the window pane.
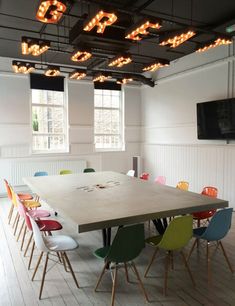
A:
(108, 142)
(47, 97)
(107, 121)
(43, 143)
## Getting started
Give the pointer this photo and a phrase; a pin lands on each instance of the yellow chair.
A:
(62, 172)
(182, 185)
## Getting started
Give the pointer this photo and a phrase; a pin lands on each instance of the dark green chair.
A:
(86, 170)
(177, 235)
(127, 245)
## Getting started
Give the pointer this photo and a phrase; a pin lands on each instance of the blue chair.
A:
(216, 230)
(41, 173)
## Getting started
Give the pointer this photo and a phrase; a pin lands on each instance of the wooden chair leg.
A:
(28, 244)
(14, 222)
(150, 263)
(226, 257)
(166, 273)
(16, 225)
(191, 250)
(172, 260)
(208, 263)
(20, 231)
(114, 285)
(37, 265)
(187, 267)
(43, 276)
(101, 275)
(71, 269)
(126, 272)
(24, 233)
(10, 213)
(198, 225)
(64, 262)
(31, 256)
(140, 282)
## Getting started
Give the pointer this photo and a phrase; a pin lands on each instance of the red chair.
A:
(144, 176)
(210, 192)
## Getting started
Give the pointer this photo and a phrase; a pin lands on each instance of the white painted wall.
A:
(15, 128)
(169, 128)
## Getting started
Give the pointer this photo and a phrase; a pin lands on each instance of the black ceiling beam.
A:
(143, 6)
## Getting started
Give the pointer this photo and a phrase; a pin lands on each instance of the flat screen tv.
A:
(216, 119)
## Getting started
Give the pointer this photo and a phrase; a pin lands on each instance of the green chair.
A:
(127, 245)
(177, 235)
(62, 172)
(86, 170)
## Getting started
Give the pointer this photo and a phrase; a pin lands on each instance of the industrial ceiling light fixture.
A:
(77, 74)
(81, 56)
(124, 80)
(101, 20)
(156, 65)
(218, 42)
(34, 46)
(22, 67)
(137, 31)
(50, 11)
(101, 77)
(175, 39)
(52, 71)
(120, 60)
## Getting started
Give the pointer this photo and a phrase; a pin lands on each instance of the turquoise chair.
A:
(216, 230)
(177, 235)
(127, 245)
(87, 170)
(41, 173)
(63, 172)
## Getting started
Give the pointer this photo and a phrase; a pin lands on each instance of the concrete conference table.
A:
(102, 200)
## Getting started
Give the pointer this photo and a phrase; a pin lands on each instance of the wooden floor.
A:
(16, 288)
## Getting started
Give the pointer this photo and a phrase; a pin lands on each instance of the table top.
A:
(105, 199)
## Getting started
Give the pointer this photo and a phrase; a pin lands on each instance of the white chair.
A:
(58, 244)
(131, 173)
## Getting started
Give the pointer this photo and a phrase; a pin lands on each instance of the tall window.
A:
(108, 119)
(49, 121)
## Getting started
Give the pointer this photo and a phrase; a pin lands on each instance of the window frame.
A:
(121, 124)
(66, 127)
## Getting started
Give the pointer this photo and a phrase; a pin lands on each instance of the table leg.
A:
(106, 234)
(159, 226)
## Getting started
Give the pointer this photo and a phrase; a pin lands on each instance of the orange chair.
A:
(210, 192)
(182, 185)
(144, 176)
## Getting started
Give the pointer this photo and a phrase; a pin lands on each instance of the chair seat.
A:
(31, 204)
(154, 241)
(198, 232)
(60, 243)
(102, 252)
(39, 213)
(204, 214)
(25, 196)
(48, 225)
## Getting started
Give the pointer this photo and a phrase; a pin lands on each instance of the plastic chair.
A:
(144, 176)
(46, 226)
(160, 180)
(41, 173)
(182, 185)
(131, 173)
(216, 230)
(177, 235)
(59, 244)
(210, 192)
(127, 245)
(22, 196)
(87, 170)
(63, 172)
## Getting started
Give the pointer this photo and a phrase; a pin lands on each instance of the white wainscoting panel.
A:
(200, 165)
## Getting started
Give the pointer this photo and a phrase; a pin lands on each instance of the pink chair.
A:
(160, 180)
(144, 176)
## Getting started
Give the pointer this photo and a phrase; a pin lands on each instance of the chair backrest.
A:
(37, 235)
(219, 225)
(23, 212)
(87, 170)
(9, 194)
(62, 172)
(41, 173)
(210, 191)
(160, 180)
(127, 244)
(131, 173)
(177, 234)
(182, 185)
(13, 196)
(144, 176)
